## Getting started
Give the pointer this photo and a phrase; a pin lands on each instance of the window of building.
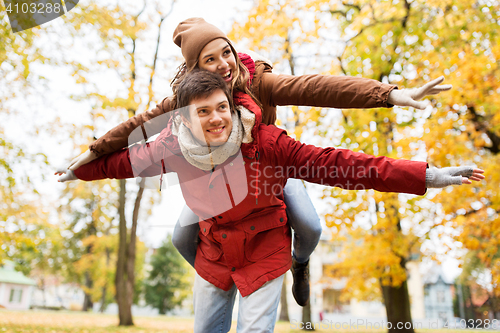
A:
(16, 295)
(443, 316)
(440, 296)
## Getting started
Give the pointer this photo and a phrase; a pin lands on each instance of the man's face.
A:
(210, 119)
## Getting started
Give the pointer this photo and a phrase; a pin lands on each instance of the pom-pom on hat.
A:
(192, 35)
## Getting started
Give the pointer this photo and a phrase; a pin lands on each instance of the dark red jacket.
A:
(244, 235)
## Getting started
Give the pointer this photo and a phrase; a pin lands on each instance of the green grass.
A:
(81, 322)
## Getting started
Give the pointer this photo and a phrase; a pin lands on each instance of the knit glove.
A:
(65, 175)
(437, 178)
(409, 97)
(82, 159)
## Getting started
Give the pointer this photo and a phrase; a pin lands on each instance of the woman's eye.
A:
(227, 52)
(210, 59)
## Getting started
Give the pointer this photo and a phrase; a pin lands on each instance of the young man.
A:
(232, 170)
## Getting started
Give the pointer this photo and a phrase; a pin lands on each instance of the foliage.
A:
(467, 123)
(405, 43)
(23, 212)
(169, 279)
(22, 216)
(475, 282)
(120, 35)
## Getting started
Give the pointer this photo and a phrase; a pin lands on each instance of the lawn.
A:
(80, 322)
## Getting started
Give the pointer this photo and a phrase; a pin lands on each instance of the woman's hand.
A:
(65, 175)
(84, 158)
(409, 97)
(437, 178)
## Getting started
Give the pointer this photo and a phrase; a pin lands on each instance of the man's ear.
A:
(186, 122)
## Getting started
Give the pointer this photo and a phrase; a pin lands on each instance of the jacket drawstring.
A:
(257, 156)
(162, 171)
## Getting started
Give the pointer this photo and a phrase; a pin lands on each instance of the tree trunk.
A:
(397, 307)
(284, 303)
(132, 247)
(306, 317)
(87, 301)
(124, 311)
(104, 304)
(306, 314)
(89, 283)
(42, 287)
(103, 300)
(125, 266)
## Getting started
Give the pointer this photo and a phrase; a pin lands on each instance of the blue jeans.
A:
(213, 307)
(300, 211)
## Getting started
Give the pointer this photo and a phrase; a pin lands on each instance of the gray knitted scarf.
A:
(205, 157)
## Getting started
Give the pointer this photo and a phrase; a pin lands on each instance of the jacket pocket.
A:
(265, 235)
(209, 249)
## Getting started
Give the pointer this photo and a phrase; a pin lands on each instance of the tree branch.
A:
(481, 125)
(150, 87)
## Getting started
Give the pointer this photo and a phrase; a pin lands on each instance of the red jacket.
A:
(244, 236)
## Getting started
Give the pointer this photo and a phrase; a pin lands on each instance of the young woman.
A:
(245, 242)
(205, 46)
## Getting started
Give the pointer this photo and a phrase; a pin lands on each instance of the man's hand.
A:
(437, 178)
(84, 158)
(65, 175)
(409, 97)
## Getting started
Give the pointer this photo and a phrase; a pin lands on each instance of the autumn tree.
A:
(464, 45)
(475, 278)
(24, 214)
(119, 38)
(405, 43)
(88, 215)
(167, 284)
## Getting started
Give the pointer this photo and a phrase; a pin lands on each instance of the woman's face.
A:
(217, 57)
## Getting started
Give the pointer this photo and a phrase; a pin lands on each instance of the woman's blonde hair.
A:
(240, 83)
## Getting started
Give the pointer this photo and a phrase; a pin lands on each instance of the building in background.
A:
(15, 288)
(431, 295)
(438, 295)
(54, 294)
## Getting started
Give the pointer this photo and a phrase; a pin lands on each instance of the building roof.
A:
(9, 275)
(435, 275)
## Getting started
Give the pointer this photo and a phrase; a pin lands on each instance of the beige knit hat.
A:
(192, 35)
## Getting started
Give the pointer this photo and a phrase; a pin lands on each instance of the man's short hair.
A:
(200, 83)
